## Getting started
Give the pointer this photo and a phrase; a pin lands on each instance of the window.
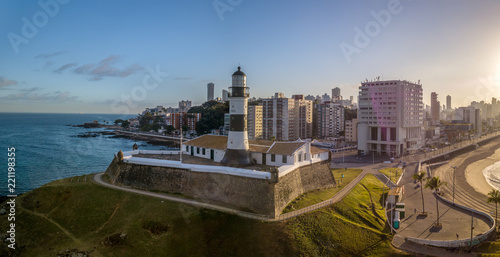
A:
(283, 159)
(187, 148)
(203, 151)
(273, 157)
(197, 150)
(300, 157)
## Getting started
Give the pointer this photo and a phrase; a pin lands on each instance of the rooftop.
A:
(259, 146)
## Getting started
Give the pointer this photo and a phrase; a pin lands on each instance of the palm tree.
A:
(494, 197)
(420, 177)
(434, 184)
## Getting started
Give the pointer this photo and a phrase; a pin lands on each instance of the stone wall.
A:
(243, 193)
(301, 180)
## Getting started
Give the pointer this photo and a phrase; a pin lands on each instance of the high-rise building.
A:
(448, 102)
(210, 91)
(287, 119)
(336, 95)
(330, 119)
(325, 98)
(335, 92)
(225, 95)
(181, 118)
(390, 117)
(255, 122)
(278, 119)
(310, 97)
(184, 106)
(470, 115)
(351, 130)
(304, 116)
(434, 107)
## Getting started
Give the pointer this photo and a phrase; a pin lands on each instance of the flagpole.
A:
(181, 147)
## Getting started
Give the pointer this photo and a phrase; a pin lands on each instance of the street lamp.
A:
(454, 168)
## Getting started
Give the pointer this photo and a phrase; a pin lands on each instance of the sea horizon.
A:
(47, 147)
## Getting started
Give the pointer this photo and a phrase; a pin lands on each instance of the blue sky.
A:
(97, 56)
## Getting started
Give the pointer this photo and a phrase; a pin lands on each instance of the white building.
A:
(287, 119)
(390, 116)
(351, 130)
(330, 119)
(262, 151)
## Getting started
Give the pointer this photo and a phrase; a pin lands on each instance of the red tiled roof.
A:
(316, 150)
(209, 141)
(285, 148)
(259, 146)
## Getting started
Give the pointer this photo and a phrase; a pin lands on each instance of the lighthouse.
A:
(237, 153)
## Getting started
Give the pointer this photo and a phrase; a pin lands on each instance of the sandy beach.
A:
(474, 173)
(471, 166)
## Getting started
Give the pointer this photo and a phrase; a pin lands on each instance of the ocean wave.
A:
(492, 175)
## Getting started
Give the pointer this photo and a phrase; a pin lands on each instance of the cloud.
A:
(46, 56)
(65, 66)
(31, 89)
(48, 64)
(106, 68)
(4, 82)
(58, 97)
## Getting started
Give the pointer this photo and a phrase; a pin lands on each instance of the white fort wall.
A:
(256, 191)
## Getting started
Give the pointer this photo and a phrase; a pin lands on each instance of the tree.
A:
(169, 129)
(435, 183)
(125, 123)
(118, 121)
(350, 114)
(185, 128)
(146, 119)
(494, 197)
(212, 116)
(420, 177)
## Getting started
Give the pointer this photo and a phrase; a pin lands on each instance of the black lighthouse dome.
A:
(239, 72)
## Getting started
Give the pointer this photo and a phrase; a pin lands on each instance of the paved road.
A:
(411, 226)
(455, 220)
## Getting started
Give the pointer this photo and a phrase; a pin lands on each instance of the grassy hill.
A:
(71, 214)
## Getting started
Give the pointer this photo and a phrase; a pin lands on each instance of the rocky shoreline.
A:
(112, 132)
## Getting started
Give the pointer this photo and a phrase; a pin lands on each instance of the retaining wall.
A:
(258, 194)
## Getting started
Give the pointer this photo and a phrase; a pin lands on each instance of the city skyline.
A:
(117, 57)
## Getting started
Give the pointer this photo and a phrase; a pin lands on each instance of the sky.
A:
(69, 56)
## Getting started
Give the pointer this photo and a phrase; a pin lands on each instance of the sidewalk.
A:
(455, 221)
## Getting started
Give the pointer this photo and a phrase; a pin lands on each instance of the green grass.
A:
(319, 195)
(354, 226)
(93, 215)
(391, 172)
(489, 249)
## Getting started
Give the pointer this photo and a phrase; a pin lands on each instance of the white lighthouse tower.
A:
(237, 153)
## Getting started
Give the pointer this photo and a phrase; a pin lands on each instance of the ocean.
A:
(47, 149)
(492, 175)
